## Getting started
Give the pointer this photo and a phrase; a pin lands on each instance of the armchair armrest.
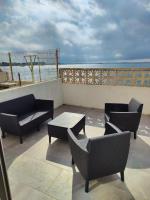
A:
(9, 123)
(43, 104)
(79, 153)
(126, 121)
(111, 129)
(77, 142)
(115, 107)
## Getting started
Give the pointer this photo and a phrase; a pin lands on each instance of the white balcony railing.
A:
(107, 76)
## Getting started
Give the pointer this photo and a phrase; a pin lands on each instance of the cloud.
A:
(84, 30)
(118, 55)
(75, 35)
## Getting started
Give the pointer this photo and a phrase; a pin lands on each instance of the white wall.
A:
(44, 90)
(95, 96)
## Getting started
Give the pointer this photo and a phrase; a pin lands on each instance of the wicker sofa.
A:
(19, 116)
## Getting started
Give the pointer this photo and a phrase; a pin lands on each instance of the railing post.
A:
(40, 73)
(39, 69)
(32, 68)
(19, 79)
(57, 62)
(10, 66)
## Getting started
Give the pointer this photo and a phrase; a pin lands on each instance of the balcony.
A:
(38, 170)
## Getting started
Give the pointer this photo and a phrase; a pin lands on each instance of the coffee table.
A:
(58, 127)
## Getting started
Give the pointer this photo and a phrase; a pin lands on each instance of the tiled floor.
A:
(39, 171)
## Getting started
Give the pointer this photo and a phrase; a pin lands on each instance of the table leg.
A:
(84, 129)
(49, 139)
(84, 125)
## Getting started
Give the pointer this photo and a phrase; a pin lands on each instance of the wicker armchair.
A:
(124, 116)
(100, 156)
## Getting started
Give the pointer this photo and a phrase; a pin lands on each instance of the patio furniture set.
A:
(94, 157)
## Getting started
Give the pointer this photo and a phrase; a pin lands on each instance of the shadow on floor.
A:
(59, 152)
(102, 188)
(144, 127)
(145, 131)
(12, 147)
(139, 156)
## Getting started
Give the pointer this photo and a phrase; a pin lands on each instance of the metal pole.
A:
(57, 62)
(39, 69)
(10, 66)
(31, 67)
(40, 73)
(19, 79)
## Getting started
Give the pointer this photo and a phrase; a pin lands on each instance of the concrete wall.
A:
(44, 90)
(95, 96)
(3, 77)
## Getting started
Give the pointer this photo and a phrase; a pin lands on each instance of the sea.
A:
(48, 72)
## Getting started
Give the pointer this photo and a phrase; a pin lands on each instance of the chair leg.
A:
(135, 136)
(49, 139)
(84, 130)
(3, 134)
(87, 186)
(122, 176)
(72, 161)
(21, 139)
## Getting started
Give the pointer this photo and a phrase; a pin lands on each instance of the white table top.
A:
(67, 120)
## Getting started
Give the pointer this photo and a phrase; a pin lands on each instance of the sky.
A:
(84, 30)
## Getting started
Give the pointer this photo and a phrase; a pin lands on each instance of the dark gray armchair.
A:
(124, 116)
(100, 156)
